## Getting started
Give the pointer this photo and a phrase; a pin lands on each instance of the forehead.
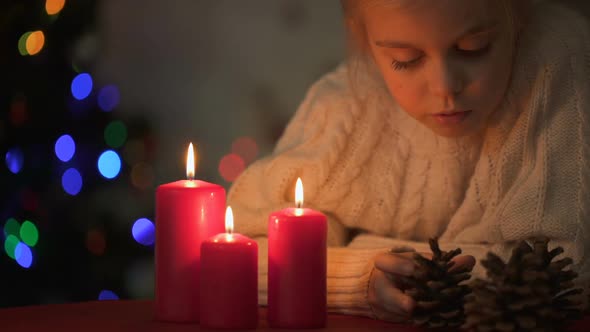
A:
(417, 21)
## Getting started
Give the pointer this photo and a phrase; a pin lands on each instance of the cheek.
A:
(408, 92)
(491, 85)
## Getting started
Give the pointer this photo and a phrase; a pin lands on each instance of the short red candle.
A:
(297, 253)
(187, 213)
(229, 281)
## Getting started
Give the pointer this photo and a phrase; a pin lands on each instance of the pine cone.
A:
(437, 289)
(529, 293)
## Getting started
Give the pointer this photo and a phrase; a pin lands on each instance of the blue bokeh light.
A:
(65, 147)
(144, 231)
(109, 164)
(23, 255)
(14, 160)
(108, 98)
(106, 294)
(81, 86)
(71, 181)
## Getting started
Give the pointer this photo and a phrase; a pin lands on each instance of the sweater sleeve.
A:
(309, 148)
(540, 180)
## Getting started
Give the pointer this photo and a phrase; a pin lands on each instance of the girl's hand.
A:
(386, 294)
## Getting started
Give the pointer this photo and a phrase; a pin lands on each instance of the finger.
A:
(390, 298)
(463, 262)
(395, 263)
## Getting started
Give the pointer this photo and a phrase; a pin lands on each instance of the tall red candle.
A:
(297, 253)
(187, 213)
(229, 280)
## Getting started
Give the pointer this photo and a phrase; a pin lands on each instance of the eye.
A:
(474, 52)
(402, 65)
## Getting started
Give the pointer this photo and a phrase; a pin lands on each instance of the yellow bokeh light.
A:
(54, 6)
(35, 42)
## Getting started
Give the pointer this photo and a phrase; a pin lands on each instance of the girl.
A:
(466, 120)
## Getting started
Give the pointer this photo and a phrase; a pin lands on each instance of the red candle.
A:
(297, 266)
(187, 213)
(229, 280)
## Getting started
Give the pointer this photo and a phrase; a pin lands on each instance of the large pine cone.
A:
(529, 293)
(437, 289)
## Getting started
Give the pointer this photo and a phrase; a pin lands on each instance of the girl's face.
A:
(446, 62)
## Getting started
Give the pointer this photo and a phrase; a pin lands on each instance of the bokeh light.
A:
(115, 134)
(142, 176)
(53, 7)
(106, 294)
(11, 227)
(65, 147)
(71, 181)
(35, 42)
(14, 160)
(29, 233)
(95, 242)
(22, 43)
(231, 166)
(23, 255)
(144, 231)
(10, 245)
(108, 98)
(81, 86)
(18, 112)
(29, 200)
(246, 148)
(109, 164)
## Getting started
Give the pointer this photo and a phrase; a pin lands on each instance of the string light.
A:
(115, 134)
(231, 166)
(29, 233)
(14, 160)
(246, 148)
(71, 181)
(143, 231)
(23, 255)
(109, 164)
(53, 7)
(107, 295)
(35, 42)
(108, 98)
(65, 147)
(81, 86)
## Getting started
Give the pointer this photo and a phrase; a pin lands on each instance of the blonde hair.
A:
(358, 46)
(516, 11)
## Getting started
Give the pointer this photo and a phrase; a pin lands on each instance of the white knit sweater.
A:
(372, 168)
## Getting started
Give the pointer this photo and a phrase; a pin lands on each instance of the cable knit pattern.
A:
(369, 166)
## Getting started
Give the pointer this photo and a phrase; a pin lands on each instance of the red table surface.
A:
(113, 316)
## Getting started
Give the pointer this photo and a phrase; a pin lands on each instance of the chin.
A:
(455, 131)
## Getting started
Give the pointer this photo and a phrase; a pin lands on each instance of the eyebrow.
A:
(481, 28)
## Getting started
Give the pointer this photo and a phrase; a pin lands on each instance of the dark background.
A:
(224, 74)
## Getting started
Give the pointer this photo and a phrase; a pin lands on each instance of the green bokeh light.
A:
(29, 233)
(22, 43)
(115, 134)
(10, 245)
(11, 227)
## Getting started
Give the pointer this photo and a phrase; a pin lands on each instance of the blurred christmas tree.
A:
(76, 186)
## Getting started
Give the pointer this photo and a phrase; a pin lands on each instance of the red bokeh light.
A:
(231, 166)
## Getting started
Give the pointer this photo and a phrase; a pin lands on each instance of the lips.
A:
(451, 117)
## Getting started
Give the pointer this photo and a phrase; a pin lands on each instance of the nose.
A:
(445, 80)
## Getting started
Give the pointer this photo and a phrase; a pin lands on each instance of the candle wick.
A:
(298, 205)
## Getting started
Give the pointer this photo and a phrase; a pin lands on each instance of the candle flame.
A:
(229, 220)
(190, 162)
(299, 197)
